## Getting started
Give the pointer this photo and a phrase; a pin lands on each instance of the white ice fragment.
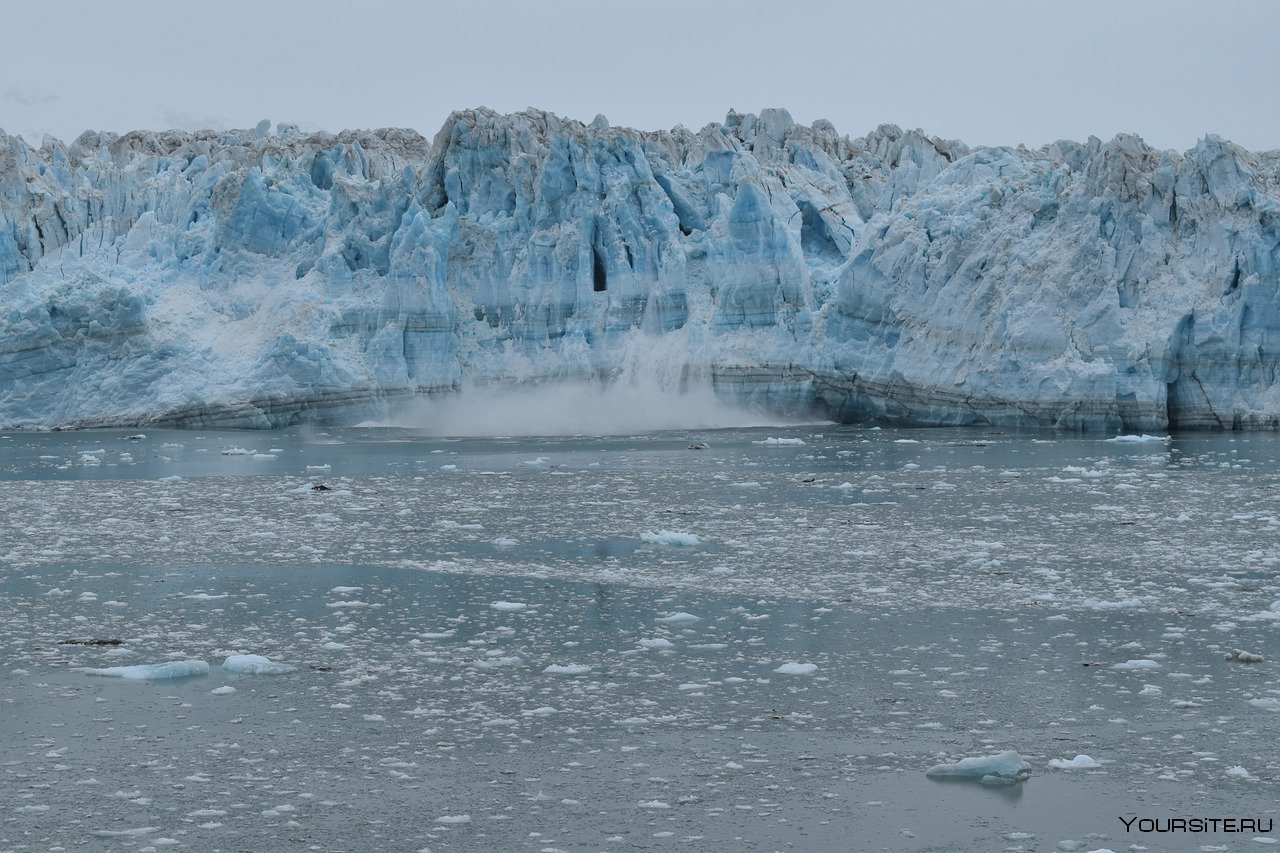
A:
(153, 671)
(567, 669)
(224, 690)
(797, 669)
(454, 819)
(1242, 656)
(1143, 438)
(1003, 767)
(1136, 664)
(255, 665)
(509, 606)
(123, 833)
(779, 441)
(1080, 762)
(670, 537)
(676, 618)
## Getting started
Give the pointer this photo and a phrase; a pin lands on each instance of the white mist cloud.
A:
(577, 408)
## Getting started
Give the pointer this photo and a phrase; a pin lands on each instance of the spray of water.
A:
(578, 408)
(658, 382)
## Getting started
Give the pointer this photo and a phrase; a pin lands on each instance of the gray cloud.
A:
(26, 97)
(986, 71)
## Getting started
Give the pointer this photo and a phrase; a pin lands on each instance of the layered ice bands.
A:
(259, 278)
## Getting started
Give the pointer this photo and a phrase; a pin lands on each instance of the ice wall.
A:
(265, 276)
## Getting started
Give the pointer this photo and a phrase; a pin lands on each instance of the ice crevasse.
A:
(266, 276)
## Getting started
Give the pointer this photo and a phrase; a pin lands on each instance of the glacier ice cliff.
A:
(261, 277)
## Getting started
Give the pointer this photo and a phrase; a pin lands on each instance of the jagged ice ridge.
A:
(261, 277)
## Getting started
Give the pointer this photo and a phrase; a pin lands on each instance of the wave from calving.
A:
(264, 277)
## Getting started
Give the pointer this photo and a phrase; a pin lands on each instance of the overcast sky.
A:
(985, 71)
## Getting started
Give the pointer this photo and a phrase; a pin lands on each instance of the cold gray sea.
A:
(742, 639)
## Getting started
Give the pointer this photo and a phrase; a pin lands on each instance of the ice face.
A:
(257, 278)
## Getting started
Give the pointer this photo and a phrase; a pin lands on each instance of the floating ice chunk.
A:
(567, 669)
(509, 606)
(670, 537)
(749, 484)
(1001, 768)
(346, 590)
(505, 542)
(1122, 604)
(335, 646)
(1080, 762)
(1239, 772)
(1266, 704)
(540, 462)
(123, 833)
(172, 478)
(797, 669)
(454, 819)
(1134, 439)
(777, 441)
(1136, 664)
(153, 671)
(255, 665)
(224, 690)
(657, 643)
(264, 456)
(1242, 656)
(654, 804)
(676, 618)
(235, 451)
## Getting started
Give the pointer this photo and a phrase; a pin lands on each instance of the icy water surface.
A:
(574, 644)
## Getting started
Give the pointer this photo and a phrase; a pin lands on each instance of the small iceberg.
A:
(254, 665)
(1080, 762)
(678, 618)
(673, 538)
(1003, 768)
(1133, 439)
(153, 671)
(1136, 665)
(509, 606)
(797, 669)
(567, 669)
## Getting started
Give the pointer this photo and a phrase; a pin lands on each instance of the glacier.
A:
(264, 277)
